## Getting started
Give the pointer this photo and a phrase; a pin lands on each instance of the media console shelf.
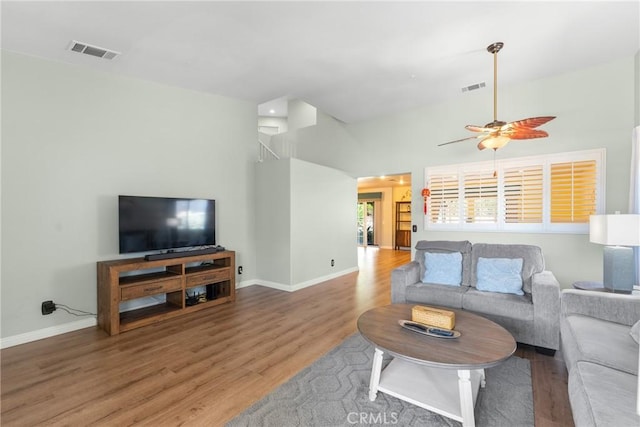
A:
(174, 278)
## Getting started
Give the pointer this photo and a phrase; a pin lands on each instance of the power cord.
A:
(49, 307)
(79, 313)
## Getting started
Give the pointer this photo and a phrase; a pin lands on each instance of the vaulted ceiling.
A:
(354, 60)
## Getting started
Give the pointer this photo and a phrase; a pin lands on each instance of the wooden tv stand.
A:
(128, 279)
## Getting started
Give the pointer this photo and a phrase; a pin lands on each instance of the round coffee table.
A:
(441, 375)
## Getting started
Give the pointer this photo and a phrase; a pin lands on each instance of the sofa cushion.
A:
(590, 339)
(505, 305)
(512, 312)
(434, 294)
(434, 246)
(500, 275)
(532, 259)
(443, 268)
(602, 396)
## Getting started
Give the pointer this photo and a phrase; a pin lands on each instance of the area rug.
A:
(334, 390)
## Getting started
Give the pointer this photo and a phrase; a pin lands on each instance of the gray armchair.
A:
(602, 356)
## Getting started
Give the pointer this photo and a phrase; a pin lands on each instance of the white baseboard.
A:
(245, 283)
(47, 332)
(273, 285)
(317, 280)
(301, 285)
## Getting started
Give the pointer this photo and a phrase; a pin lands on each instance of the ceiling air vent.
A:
(473, 87)
(88, 49)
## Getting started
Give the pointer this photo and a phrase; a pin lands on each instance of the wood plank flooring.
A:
(205, 368)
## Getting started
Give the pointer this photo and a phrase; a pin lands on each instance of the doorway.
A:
(376, 215)
(366, 223)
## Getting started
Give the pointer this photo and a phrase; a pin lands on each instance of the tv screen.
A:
(162, 223)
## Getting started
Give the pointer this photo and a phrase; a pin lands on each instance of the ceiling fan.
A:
(498, 133)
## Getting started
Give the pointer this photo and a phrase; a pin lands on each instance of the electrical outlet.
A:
(333, 263)
(239, 269)
(48, 307)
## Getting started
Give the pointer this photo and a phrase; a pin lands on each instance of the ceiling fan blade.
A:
(526, 133)
(459, 140)
(531, 122)
(474, 128)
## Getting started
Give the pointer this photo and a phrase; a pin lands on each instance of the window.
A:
(444, 199)
(573, 191)
(480, 197)
(523, 195)
(552, 193)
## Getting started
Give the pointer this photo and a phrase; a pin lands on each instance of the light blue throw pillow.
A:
(443, 268)
(500, 275)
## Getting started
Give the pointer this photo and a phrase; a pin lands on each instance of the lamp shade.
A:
(616, 230)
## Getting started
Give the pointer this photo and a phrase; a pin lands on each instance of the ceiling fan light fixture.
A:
(494, 142)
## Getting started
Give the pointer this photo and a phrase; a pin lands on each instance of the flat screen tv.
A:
(163, 223)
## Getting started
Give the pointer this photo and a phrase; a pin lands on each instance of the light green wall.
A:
(300, 114)
(306, 217)
(594, 108)
(323, 218)
(72, 140)
(328, 143)
(273, 122)
(273, 221)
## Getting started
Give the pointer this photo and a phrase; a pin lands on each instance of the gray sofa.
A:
(532, 318)
(601, 356)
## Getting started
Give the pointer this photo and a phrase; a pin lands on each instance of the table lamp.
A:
(617, 232)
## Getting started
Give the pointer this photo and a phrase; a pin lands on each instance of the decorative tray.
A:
(428, 330)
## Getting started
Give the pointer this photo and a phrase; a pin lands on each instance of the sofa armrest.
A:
(618, 308)
(402, 277)
(545, 294)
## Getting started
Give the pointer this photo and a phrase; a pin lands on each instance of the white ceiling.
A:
(353, 60)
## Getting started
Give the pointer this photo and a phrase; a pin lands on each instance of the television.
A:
(164, 223)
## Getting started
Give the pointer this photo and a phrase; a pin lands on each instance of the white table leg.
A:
(376, 368)
(466, 398)
(483, 380)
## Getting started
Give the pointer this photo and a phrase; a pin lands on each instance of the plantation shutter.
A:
(443, 202)
(480, 197)
(554, 193)
(573, 191)
(523, 194)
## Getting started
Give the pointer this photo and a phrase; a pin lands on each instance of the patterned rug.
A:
(333, 391)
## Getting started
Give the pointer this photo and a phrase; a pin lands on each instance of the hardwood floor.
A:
(207, 367)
